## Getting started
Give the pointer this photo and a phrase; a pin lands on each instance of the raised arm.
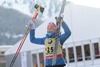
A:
(66, 33)
(35, 40)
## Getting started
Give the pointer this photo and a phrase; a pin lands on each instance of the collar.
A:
(50, 35)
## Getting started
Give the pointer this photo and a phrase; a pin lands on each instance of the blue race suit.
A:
(48, 39)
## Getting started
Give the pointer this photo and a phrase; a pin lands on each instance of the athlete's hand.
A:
(32, 25)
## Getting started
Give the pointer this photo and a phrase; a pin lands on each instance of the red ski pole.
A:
(38, 9)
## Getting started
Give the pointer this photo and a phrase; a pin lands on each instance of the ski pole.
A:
(38, 9)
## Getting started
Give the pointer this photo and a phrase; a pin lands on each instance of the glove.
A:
(31, 24)
(60, 17)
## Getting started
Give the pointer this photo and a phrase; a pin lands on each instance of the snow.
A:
(23, 8)
(89, 63)
(9, 35)
(26, 6)
(83, 22)
(27, 46)
(23, 5)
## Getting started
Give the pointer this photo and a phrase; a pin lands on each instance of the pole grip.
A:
(35, 15)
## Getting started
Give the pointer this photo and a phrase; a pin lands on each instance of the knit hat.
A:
(51, 27)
